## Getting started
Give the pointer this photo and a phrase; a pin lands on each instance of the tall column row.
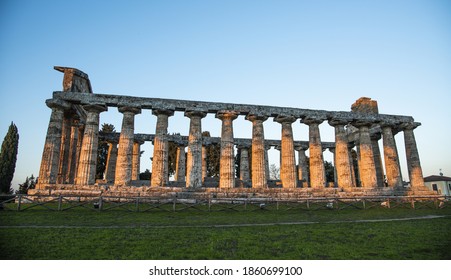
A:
(70, 151)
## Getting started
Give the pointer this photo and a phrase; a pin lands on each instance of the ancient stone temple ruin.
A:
(69, 158)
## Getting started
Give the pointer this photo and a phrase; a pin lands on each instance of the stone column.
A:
(377, 159)
(180, 164)
(227, 157)
(86, 171)
(72, 162)
(332, 150)
(303, 175)
(123, 174)
(204, 162)
(259, 172)
(391, 158)
(351, 162)
(48, 171)
(244, 163)
(367, 168)
(136, 159)
(413, 158)
(267, 148)
(194, 159)
(160, 163)
(65, 149)
(317, 172)
(342, 162)
(288, 161)
(110, 168)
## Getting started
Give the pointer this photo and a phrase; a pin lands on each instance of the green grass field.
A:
(323, 234)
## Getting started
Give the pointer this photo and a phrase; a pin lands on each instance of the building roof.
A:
(435, 178)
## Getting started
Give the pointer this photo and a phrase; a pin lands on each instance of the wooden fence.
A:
(143, 204)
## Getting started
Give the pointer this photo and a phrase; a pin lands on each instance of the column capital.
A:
(364, 123)
(285, 119)
(95, 108)
(409, 125)
(388, 123)
(338, 121)
(112, 141)
(131, 109)
(256, 117)
(375, 136)
(309, 120)
(227, 114)
(192, 113)
(140, 142)
(57, 104)
(301, 147)
(158, 111)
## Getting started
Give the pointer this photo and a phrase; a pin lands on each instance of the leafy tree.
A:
(213, 157)
(8, 157)
(274, 172)
(102, 152)
(146, 175)
(330, 174)
(30, 183)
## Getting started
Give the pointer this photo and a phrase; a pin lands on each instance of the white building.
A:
(440, 184)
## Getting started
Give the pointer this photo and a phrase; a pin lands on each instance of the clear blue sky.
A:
(305, 54)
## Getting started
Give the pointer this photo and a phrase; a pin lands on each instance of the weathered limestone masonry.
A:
(68, 163)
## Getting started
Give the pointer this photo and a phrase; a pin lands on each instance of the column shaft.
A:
(303, 175)
(110, 169)
(413, 158)
(123, 174)
(65, 150)
(160, 163)
(194, 159)
(288, 161)
(391, 158)
(136, 160)
(367, 168)
(343, 164)
(180, 165)
(378, 161)
(74, 139)
(86, 172)
(317, 171)
(259, 172)
(48, 171)
(244, 164)
(227, 157)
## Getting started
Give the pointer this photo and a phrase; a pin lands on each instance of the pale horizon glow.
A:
(303, 54)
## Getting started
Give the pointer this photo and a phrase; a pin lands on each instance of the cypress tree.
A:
(8, 156)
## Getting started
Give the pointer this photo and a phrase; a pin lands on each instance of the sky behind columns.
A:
(302, 54)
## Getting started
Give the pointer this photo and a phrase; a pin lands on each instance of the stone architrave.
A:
(194, 158)
(123, 174)
(160, 163)
(136, 159)
(367, 168)
(317, 171)
(343, 164)
(259, 172)
(180, 170)
(86, 171)
(391, 158)
(244, 163)
(48, 171)
(288, 161)
(377, 159)
(303, 175)
(74, 139)
(227, 157)
(110, 168)
(413, 158)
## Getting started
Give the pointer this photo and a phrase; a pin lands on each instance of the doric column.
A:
(367, 168)
(123, 174)
(391, 158)
(244, 163)
(317, 172)
(259, 173)
(48, 171)
(136, 159)
(194, 159)
(204, 162)
(332, 150)
(377, 159)
(227, 158)
(288, 161)
(110, 168)
(342, 162)
(160, 163)
(86, 171)
(267, 148)
(413, 158)
(351, 162)
(303, 175)
(180, 164)
(65, 149)
(74, 139)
